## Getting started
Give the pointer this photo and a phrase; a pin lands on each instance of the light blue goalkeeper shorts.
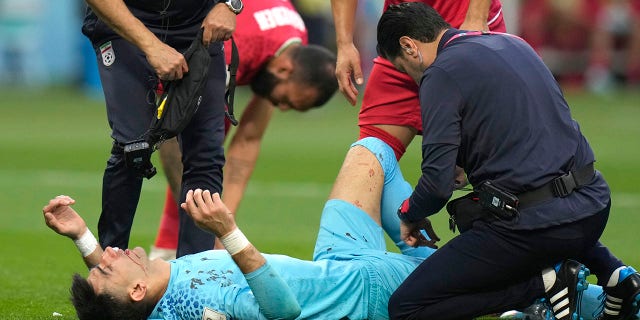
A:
(348, 233)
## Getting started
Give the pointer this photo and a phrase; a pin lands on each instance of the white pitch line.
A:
(93, 180)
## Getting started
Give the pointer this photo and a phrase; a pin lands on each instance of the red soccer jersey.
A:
(262, 29)
(453, 12)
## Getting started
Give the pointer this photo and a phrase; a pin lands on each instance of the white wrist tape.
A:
(87, 243)
(235, 241)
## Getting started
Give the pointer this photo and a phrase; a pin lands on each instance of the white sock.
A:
(548, 278)
(614, 277)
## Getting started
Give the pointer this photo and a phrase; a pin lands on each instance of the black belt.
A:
(559, 187)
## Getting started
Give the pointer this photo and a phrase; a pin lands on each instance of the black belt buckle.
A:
(563, 185)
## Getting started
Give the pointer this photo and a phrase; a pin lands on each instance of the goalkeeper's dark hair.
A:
(92, 306)
(315, 66)
(412, 19)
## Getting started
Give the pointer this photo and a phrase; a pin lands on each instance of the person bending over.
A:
(284, 72)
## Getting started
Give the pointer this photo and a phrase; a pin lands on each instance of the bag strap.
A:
(230, 94)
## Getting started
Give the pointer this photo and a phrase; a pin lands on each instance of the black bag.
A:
(463, 211)
(182, 97)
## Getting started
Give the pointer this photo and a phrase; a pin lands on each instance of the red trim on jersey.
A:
(371, 131)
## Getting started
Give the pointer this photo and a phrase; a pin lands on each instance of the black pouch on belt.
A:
(463, 211)
(502, 204)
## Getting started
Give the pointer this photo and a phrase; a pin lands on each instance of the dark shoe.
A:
(539, 310)
(623, 300)
(566, 294)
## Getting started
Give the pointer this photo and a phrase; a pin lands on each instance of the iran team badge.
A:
(108, 55)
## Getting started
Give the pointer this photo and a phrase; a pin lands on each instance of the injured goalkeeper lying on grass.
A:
(351, 274)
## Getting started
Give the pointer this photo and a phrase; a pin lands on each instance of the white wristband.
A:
(235, 241)
(87, 243)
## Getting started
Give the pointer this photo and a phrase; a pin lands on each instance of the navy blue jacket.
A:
(490, 105)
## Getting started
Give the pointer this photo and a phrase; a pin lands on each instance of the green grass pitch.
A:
(56, 141)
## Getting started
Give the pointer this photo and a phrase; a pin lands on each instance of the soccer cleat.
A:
(566, 294)
(623, 300)
(539, 310)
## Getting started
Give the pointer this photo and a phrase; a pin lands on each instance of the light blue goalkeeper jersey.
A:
(352, 276)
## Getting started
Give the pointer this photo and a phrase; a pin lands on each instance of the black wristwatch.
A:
(235, 6)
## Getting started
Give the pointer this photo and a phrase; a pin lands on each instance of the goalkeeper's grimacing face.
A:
(119, 271)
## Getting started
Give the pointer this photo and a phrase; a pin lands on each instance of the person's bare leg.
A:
(167, 237)
(171, 159)
(373, 157)
(360, 181)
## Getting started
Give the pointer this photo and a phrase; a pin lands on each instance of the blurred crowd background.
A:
(588, 44)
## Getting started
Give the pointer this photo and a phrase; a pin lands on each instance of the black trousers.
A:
(491, 269)
(128, 85)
